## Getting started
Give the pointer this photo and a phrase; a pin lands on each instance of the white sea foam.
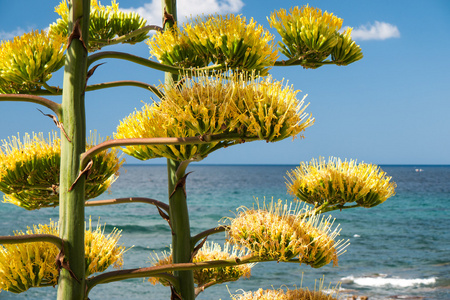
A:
(376, 281)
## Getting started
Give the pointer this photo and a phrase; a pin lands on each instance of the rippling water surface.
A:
(399, 249)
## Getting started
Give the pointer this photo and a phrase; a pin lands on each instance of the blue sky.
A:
(392, 107)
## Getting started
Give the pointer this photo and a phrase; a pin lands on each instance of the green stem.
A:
(50, 89)
(148, 63)
(157, 203)
(195, 239)
(181, 233)
(127, 36)
(296, 62)
(32, 238)
(159, 141)
(133, 58)
(55, 107)
(95, 87)
(156, 271)
(143, 85)
(71, 203)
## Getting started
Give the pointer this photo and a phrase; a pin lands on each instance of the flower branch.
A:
(55, 107)
(195, 239)
(20, 239)
(127, 36)
(55, 91)
(157, 271)
(86, 156)
(157, 203)
(148, 63)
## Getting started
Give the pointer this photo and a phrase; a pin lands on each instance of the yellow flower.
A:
(29, 171)
(210, 252)
(280, 232)
(338, 182)
(258, 109)
(227, 40)
(106, 22)
(27, 265)
(102, 251)
(23, 266)
(280, 294)
(310, 35)
(346, 50)
(28, 61)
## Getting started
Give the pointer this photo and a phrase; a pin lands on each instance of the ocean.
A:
(398, 250)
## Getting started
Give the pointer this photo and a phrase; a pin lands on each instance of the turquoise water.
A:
(398, 250)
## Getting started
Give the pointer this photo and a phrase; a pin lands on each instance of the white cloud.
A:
(377, 31)
(152, 11)
(10, 35)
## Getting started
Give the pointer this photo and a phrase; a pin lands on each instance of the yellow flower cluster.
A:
(258, 109)
(310, 36)
(27, 265)
(106, 22)
(338, 182)
(101, 251)
(223, 40)
(28, 61)
(279, 232)
(346, 50)
(210, 252)
(280, 294)
(29, 171)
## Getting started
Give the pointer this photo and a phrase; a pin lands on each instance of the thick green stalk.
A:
(71, 208)
(178, 209)
(181, 232)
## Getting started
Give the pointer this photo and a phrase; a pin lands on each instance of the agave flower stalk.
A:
(71, 208)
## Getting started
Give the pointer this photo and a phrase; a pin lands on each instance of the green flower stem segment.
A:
(55, 107)
(195, 239)
(92, 87)
(157, 203)
(157, 271)
(123, 38)
(140, 84)
(158, 141)
(20, 239)
(71, 209)
(181, 235)
(145, 62)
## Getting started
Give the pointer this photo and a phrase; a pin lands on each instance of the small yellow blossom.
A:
(257, 109)
(29, 171)
(227, 40)
(29, 60)
(106, 23)
(310, 36)
(27, 265)
(280, 232)
(337, 182)
(280, 294)
(210, 252)
(102, 251)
